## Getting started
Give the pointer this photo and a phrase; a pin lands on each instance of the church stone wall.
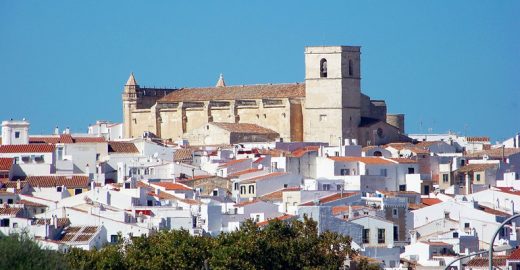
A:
(142, 121)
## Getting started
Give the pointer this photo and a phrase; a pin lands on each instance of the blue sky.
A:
(448, 65)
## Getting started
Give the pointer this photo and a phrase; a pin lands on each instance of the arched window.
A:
(236, 186)
(242, 190)
(378, 154)
(323, 68)
(350, 71)
(251, 189)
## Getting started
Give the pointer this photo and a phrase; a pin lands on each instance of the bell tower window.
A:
(323, 68)
(350, 71)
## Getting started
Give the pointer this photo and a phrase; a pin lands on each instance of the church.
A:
(327, 107)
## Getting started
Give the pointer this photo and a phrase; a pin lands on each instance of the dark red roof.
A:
(64, 138)
(75, 181)
(430, 201)
(27, 148)
(515, 255)
(122, 147)
(6, 164)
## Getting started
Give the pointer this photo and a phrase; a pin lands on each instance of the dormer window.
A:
(323, 68)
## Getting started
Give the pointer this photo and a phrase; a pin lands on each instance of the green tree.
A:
(20, 252)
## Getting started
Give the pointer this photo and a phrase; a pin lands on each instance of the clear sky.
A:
(448, 65)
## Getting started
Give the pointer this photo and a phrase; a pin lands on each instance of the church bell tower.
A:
(332, 93)
(129, 105)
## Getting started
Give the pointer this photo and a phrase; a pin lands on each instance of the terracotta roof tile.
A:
(330, 198)
(64, 138)
(476, 167)
(302, 151)
(282, 218)
(263, 177)
(122, 147)
(244, 128)
(237, 174)
(477, 139)
(183, 155)
(171, 186)
(277, 196)
(10, 211)
(61, 222)
(494, 153)
(75, 181)
(6, 164)
(515, 255)
(483, 261)
(246, 203)
(236, 92)
(33, 204)
(27, 148)
(430, 201)
(232, 162)
(366, 160)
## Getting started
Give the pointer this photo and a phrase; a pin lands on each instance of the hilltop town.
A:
(207, 160)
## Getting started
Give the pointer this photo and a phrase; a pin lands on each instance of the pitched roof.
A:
(183, 155)
(366, 160)
(6, 164)
(432, 243)
(29, 203)
(236, 92)
(243, 128)
(509, 190)
(234, 161)
(277, 196)
(404, 160)
(495, 153)
(60, 222)
(477, 139)
(10, 211)
(237, 174)
(27, 148)
(74, 181)
(483, 261)
(302, 151)
(122, 147)
(171, 186)
(515, 255)
(330, 198)
(64, 138)
(246, 203)
(430, 201)
(282, 218)
(476, 167)
(263, 177)
(131, 80)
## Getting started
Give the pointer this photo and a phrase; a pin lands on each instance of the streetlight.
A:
(494, 236)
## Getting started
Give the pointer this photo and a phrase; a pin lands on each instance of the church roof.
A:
(131, 80)
(237, 92)
(243, 128)
(221, 82)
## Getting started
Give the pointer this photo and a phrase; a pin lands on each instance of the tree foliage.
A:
(279, 245)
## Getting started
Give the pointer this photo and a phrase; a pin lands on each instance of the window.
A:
(149, 203)
(478, 177)
(466, 225)
(383, 172)
(59, 189)
(396, 233)
(378, 154)
(251, 189)
(257, 218)
(366, 236)
(9, 201)
(114, 238)
(323, 68)
(339, 187)
(78, 191)
(411, 170)
(380, 236)
(336, 153)
(236, 186)
(350, 71)
(323, 117)
(59, 153)
(1, 201)
(455, 235)
(4, 222)
(445, 178)
(215, 192)
(394, 212)
(402, 187)
(15, 225)
(326, 187)
(242, 190)
(17, 134)
(462, 162)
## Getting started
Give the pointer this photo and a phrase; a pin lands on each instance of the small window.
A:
(455, 235)
(323, 68)
(215, 192)
(323, 117)
(1, 201)
(17, 134)
(350, 68)
(4, 222)
(114, 238)
(411, 170)
(251, 189)
(466, 225)
(378, 154)
(9, 201)
(344, 172)
(242, 190)
(402, 187)
(326, 187)
(396, 233)
(78, 191)
(149, 203)
(445, 178)
(394, 212)
(236, 186)
(59, 189)
(478, 177)
(383, 172)
(366, 236)
(380, 236)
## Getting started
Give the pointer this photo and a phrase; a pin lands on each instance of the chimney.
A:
(67, 130)
(18, 184)
(56, 131)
